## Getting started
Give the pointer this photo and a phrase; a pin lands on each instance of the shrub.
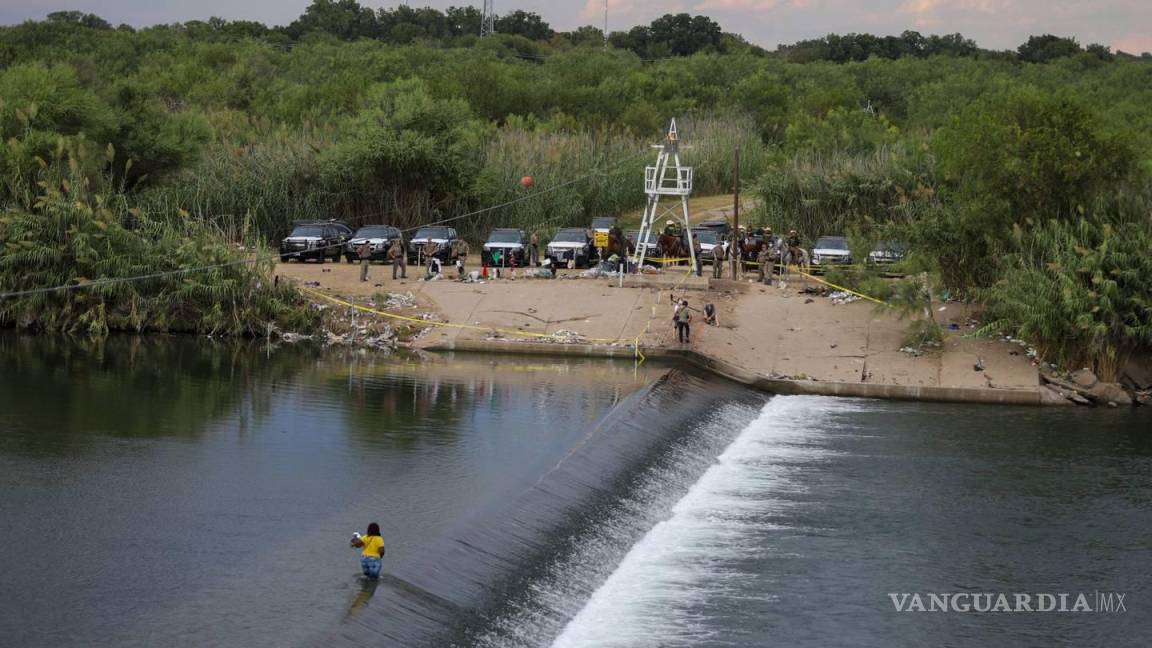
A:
(74, 236)
(1079, 292)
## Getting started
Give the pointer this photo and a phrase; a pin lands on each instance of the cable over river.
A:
(176, 491)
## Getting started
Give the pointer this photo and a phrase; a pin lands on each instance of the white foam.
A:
(685, 559)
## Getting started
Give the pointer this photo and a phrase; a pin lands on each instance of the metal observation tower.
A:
(488, 19)
(668, 178)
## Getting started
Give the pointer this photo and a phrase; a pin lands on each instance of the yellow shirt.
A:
(373, 546)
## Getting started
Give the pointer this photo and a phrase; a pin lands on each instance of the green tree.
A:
(405, 149)
(1030, 154)
(1042, 49)
(91, 21)
(684, 35)
(524, 23)
(150, 140)
(344, 19)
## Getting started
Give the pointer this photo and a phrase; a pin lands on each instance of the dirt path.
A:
(770, 331)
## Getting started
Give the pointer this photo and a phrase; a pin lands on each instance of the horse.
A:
(795, 255)
(672, 247)
(619, 245)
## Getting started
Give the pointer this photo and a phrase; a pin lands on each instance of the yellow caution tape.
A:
(842, 288)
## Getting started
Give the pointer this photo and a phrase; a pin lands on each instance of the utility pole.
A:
(488, 20)
(605, 24)
(737, 262)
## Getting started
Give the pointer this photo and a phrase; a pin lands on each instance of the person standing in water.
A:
(371, 545)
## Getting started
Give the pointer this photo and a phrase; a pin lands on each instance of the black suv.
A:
(319, 240)
(379, 238)
(505, 247)
(604, 223)
(442, 236)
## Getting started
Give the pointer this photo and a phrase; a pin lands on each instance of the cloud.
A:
(631, 12)
(994, 24)
(922, 11)
(736, 5)
(1134, 43)
(931, 13)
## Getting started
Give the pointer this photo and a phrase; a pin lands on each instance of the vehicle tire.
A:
(348, 259)
(322, 259)
(283, 259)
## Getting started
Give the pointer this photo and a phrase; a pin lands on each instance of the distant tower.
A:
(605, 24)
(668, 178)
(488, 20)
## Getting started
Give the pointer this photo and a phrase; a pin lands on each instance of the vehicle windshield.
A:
(375, 232)
(603, 222)
(310, 230)
(570, 236)
(504, 237)
(432, 233)
(832, 243)
(706, 236)
(889, 246)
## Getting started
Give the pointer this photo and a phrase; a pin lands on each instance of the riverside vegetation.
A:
(1018, 179)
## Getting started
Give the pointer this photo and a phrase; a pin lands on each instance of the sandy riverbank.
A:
(771, 335)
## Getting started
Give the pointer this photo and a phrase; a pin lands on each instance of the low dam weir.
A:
(516, 572)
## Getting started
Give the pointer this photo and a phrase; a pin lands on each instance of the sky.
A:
(995, 24)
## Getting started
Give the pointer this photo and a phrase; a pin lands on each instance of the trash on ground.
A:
(840, 297)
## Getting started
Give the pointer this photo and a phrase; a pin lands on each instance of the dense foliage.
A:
(977, 159)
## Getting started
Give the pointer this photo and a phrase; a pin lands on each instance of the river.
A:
(181, 491)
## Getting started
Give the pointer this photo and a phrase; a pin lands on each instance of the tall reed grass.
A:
(832, 193)
(1078, 292)
(77, 233)
(273, 176)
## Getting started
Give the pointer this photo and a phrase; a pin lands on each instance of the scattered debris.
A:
(841, 297)
(398, 300)
(596, 273)
(293, 338)
(564, 336)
